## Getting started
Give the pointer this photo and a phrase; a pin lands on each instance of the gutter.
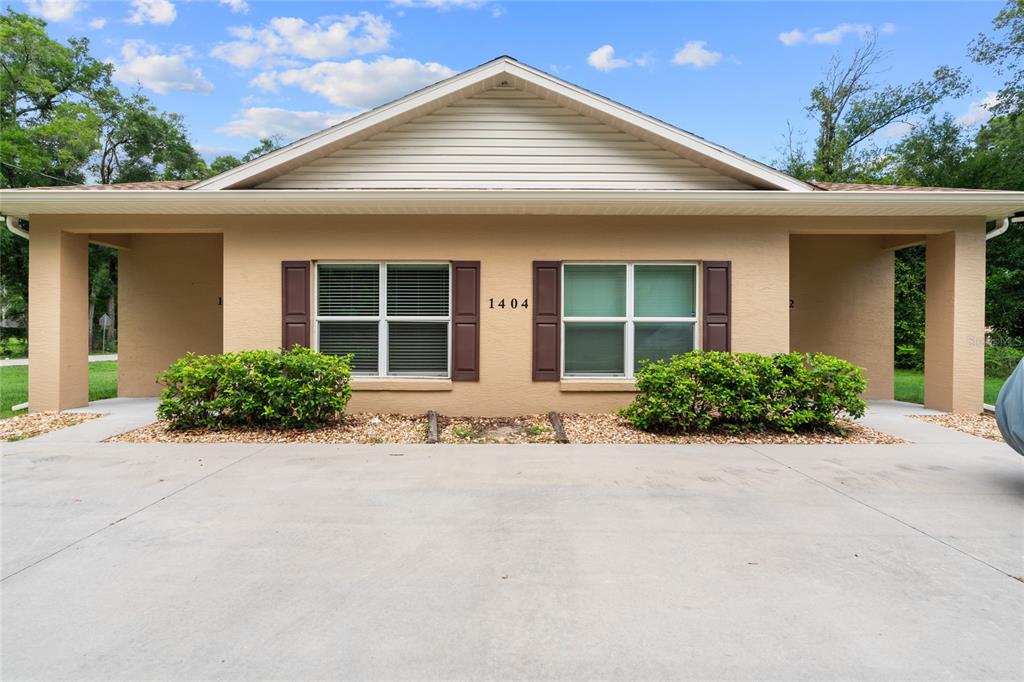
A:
(1018, 217)
(12, 225)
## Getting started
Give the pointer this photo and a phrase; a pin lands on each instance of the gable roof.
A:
(507, 72)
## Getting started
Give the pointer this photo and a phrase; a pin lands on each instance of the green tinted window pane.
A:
(661, 340)
(595, 290)
(594, 348)
(664, 291)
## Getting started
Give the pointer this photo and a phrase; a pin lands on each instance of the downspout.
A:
(1017, 217)
(12, 225)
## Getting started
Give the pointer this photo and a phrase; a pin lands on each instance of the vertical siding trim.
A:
(717, 305)
(295, 307)
(465, 321)
(547, 317)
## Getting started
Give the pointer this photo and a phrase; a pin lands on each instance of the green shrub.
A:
(1000, 361)
(909, 357)
(297, 388)
(746, 392)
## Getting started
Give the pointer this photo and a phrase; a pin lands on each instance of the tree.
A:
(47, 126)
(140, 143)
(1005, 52)
(850, 109)
(227, 162)
(932, 155)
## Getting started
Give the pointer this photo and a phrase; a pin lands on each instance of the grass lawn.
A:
(14, 384)
(909, 386)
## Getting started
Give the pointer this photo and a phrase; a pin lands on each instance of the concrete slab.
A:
(373, 562)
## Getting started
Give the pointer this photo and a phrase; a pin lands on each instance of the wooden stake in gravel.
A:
(431, 427)
(556, 424)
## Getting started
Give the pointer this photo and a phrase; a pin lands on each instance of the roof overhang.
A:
(24, 203)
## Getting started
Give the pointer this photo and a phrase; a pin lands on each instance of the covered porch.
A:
(800, 283)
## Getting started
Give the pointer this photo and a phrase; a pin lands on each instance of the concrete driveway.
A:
(174, 561)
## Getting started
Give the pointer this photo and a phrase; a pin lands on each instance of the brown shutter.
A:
(295, 323)
(717, 305)
(466, 320)
(547, 310)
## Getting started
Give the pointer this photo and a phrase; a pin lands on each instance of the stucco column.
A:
(954, 350)
(58, 318)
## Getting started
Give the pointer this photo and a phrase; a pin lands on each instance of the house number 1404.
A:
(513, 303)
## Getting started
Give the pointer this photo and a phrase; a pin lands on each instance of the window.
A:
(399, 329)
(615, 315)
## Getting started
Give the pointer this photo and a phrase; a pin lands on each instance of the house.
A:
(504, 242)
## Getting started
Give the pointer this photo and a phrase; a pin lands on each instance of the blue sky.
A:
(735, 73)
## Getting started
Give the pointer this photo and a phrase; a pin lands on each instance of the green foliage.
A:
(227, 162)
(297, 388)
(909, 310)
(787, 392)
(47, 126)
(1006, 54)
(1000, 361)
(850, 109)
(139, 143)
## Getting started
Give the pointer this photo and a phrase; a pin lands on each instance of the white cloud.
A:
(270, 121)
(98, 23)
(357, 84)
(161, 73)
(695, 53)
(833, 36)
(604, 59)
(498, 11)
(214, 150)
(896, 130)
(152, 12)
(978, 112)
(442, 5)
(794, 37)
(285, 37)
(836, 35)
(236, 6)
(54, 10)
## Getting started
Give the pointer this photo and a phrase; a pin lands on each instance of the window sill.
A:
(395, 384)
(599, 385)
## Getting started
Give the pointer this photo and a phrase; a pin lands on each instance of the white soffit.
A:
(25, 203)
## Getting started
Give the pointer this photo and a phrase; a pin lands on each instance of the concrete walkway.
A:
(170, 561)
(10, 362)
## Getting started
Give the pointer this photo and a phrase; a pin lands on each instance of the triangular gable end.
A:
(503, 126)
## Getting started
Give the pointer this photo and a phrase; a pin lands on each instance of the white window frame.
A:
(382, 318)
(629, 319)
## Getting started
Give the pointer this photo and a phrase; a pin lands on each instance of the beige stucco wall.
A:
(842, 288)
(58, 292)
(168, 304)
(170, 282)
(954, 344)
(506, 247)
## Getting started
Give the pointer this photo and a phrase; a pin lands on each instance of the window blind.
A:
(348, 290)
(418, 348)
(359, 338)
(417, 290)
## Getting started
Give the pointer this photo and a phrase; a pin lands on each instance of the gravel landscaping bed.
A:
(535, 428)
(611, 428)
(981, 425)
(353, 428)
(36, 423)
